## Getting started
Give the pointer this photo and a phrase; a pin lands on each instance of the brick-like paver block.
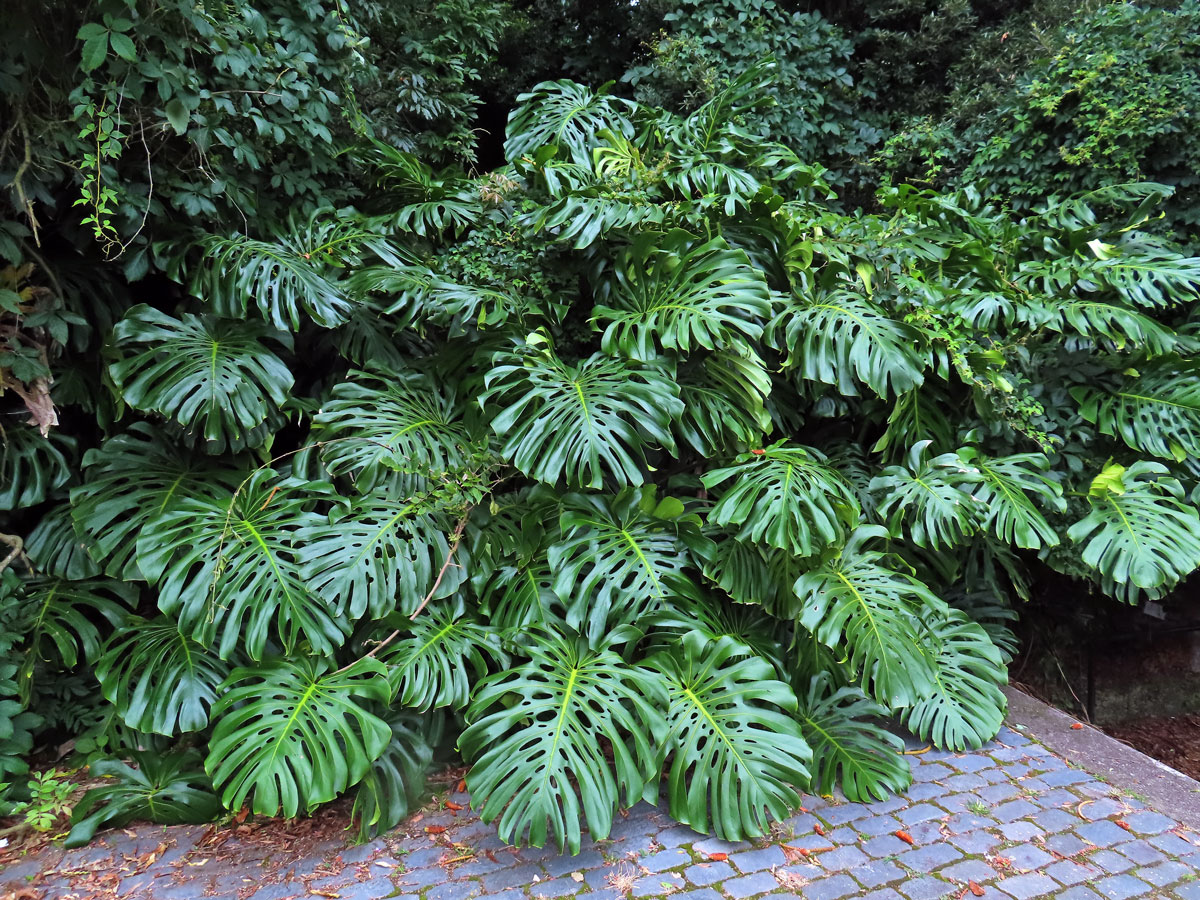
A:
(927, 889)
(558, 887)
(931, 772)
(882, 894)
(1054, 820)
(884, 845)
(705, 874)
(1189, 891)
(1027, 857)
(1148, 822)
(701, 894)
(918, 792)
(923, 812)
(757, 860)
(1121, 887)
(840, 815)
(1013, 810)
(1110, 861)
(1103, 808)
(877, 872)
(748, 885)
(964, 783)
(926, 859)
(877, 825)
(463, 890)
(969, 870)
(1067, 844)
(843, 858)
(709, 846)
(1020, 830)
(833, 888)
(1064, 777)
(1078, 893)
(1033, 884)
(1102, 834)
(1170, 844)
(678, 836)
(975, 842)
(1069, 872)
(1140, 852)
(516, 877)
(666, 859)
(1164, 873)
(657, 885)
(565, 865)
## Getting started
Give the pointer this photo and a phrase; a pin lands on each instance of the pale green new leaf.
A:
(736, 754)
(786, 497)
(850, 750)
(290, 735)
(539, 734)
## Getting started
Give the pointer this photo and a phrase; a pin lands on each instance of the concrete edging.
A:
(1167, 790)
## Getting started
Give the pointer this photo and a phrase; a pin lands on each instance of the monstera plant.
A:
(634, 468)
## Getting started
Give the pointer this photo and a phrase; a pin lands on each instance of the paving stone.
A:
(1102, 834)
(843, 858)
(715, 845)
(1069, 872)
(877, 825)
(927, 859)
(884, 845)
(882, 894)
(1079, 893)
(927, 889)
(515, 877)
(922, 792)
(969, 870)
(840, 815)
(923, 812)
(1102, 808)
(1148, 822)
(1140, 852)
(1170, 844)
(1111, 861)
(1054, 820)
(832, 888)
(1189, 891)
(463, 890)
(1068, 844)
(705, 874)
(657, 885)
(877, 872)
(1033, 884)
(1121, 887)
(668, 859)
(1164, 873)
(748, 885)
(503, 895)
(702, 894)
(964, 783)
(967, 821)
(1019, 830)
(844, 835)
(883, 807)
(1013, 810)
(1027, 857)
(931, 772)
(975, 842)
(565, 864)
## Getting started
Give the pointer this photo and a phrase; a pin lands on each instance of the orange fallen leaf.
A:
(1121, 823)
(490, 855)
(1076, 727)
(819, 829)
(906, 837)
(450, 804)
(462, 786)
(435, 829)
(975, 889)
(718, 857)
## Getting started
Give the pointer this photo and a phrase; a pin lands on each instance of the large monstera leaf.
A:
(1005, 492)
(859, 602)
(735, 752)
(931, 498)
(786, 497)
(129, 481)
(724, 396)
(618, 556)
(580, 423)
(441, 654)
(539, 734)
(227, 568)
(217, 378)
(850, 751)
(967, 707)
(841, 339)
(63, 618)
(1140, 532)
(160, 680)
(32, 466)
(566, 115)
(1156, 411)
(676, 293)
(393, 784)
(377, 554)
(375, 424)
(55, 549)
(291, 734)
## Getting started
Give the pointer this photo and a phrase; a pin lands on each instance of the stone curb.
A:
(1169, 791)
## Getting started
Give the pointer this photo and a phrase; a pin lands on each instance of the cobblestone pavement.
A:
(1011, 820)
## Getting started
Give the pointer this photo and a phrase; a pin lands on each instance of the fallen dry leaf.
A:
(975, 888)
(435, 829)
(819, 829)
(718, 857)
(462, 786)
(1076, 727)
(577, 877)
(450, 804)
(1121, 823)
(906, 837)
